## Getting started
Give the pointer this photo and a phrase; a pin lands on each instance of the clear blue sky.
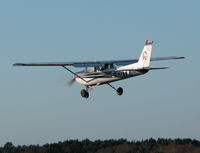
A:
(37, 107)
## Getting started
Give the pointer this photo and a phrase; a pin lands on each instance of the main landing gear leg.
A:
(118, 90)
(84, 93)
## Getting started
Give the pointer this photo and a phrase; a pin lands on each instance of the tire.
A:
(87, 95)
(84, 93)
(119, 91)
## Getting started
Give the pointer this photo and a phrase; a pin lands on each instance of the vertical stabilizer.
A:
(144, 60)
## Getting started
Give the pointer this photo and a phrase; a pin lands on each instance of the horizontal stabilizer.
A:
(166, 58)
(158, 68)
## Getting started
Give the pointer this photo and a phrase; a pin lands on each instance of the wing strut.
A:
(112, 86)
(74, 73)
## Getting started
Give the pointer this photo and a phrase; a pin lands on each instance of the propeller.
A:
(71, 82)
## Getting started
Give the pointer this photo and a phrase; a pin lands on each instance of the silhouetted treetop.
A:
(109, 146)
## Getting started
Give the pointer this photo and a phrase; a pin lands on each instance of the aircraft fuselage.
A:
(89, 79)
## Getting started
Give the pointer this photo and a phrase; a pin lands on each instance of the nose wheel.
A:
(84, 93)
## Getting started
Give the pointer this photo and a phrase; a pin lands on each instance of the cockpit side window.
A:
(111, 66)
(107, 66)
(101, 68)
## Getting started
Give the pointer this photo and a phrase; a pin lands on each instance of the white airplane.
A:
(104, 72)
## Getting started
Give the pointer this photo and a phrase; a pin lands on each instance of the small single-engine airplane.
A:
(104, 72)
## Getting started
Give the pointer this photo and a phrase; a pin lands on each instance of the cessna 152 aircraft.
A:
(104, 72)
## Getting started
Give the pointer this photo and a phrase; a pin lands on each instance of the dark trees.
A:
(109, 146)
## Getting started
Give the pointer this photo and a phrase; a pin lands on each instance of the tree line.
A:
(109, 146)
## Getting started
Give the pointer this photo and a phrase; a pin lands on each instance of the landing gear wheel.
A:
(84, 93)
(119, 91)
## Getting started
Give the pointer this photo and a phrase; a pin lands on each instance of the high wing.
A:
(95, 63)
